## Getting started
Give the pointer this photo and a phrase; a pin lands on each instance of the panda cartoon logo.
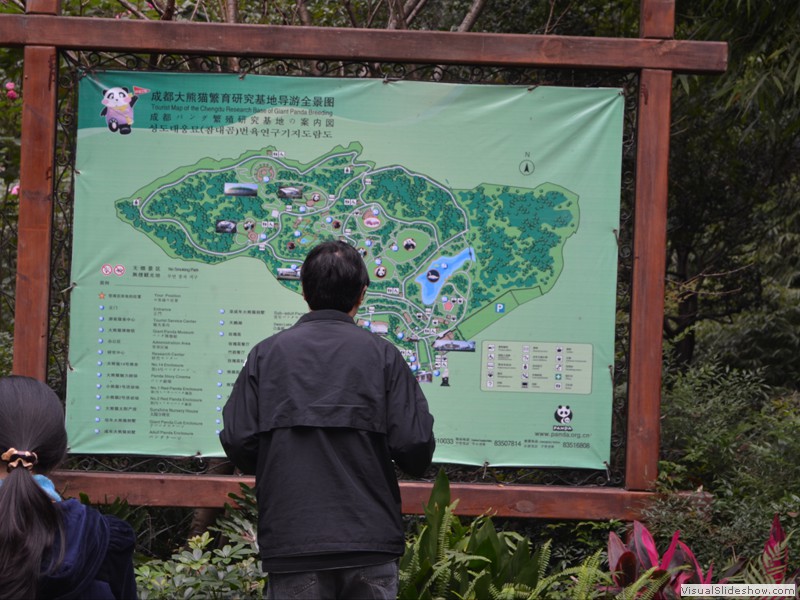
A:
(563, 414)
(118, 111)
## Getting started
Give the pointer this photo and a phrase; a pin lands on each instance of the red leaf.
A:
(670, 553)
(615, 550)
(733, 570)
(774, 559)
(678, 580)
(644, 546)
(627, 570)
(707, 579)
(776, 534)
(689, 559)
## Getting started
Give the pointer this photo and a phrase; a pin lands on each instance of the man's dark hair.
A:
(333, 276)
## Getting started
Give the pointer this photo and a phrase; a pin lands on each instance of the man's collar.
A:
(326, 315)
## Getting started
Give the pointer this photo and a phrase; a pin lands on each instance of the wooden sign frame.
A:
(654, 56)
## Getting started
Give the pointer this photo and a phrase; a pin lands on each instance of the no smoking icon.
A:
(119, 270)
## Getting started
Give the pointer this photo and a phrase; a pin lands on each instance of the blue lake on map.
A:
(439, 271)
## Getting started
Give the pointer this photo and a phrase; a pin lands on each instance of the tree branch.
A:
(196, 8)
(472, 15)
(302, 11)
(397, 18)
(133, 10)
(232, 16)
(231, 11)
(169, 11)
(156, 6)
(372, 11)
(350, 13)
(412, 9)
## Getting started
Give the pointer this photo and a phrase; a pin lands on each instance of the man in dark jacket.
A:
(319, 413)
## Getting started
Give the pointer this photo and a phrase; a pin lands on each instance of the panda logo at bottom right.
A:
(563, 414)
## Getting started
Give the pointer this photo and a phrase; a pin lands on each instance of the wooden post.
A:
(32, 302)
(43, 7)
(649, 257)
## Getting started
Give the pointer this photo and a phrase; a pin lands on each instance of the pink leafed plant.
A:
(630, 561)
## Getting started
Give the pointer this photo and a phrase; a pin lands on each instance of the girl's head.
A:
(31, 421)
(32, 440)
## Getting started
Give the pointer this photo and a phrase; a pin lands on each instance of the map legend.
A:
(536, 367)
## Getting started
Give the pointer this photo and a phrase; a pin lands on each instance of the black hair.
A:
(31, 420)
(333, 276)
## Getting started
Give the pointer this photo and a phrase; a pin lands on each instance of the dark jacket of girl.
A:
(96, 562)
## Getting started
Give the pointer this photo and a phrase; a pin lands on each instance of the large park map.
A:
(444, 263)
(486, 216)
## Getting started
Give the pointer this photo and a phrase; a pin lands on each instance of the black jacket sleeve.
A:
(409, 423)
(240, 433)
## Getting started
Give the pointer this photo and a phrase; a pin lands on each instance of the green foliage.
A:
(200, 572)
(205, 570)
(5, 353)
(771, 567)
(239, 525)
(136, 516)
(726, 434)
(606, 19)
(703, 425)
(763, 82)
(575, 541)
(733, 234)
(10, 131)
(733, 184)
(11, 95)
(444, 560)
(448, 560)
(765, 340)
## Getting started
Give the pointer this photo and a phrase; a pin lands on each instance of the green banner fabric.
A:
(486, 216)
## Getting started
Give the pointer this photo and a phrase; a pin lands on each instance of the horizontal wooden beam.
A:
(515, 501)
(381, 45)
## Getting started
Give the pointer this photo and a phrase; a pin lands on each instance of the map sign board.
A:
(486, 216)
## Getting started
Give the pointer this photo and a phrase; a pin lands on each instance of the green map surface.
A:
(486, 216)
(441, 260)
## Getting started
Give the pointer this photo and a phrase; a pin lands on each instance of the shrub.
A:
(726, 433)
(203, 571)
(198, 572)
(446, 559)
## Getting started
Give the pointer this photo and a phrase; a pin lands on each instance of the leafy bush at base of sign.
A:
(444, 560)
(206, 570)
(232, 571)
(450, 561)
